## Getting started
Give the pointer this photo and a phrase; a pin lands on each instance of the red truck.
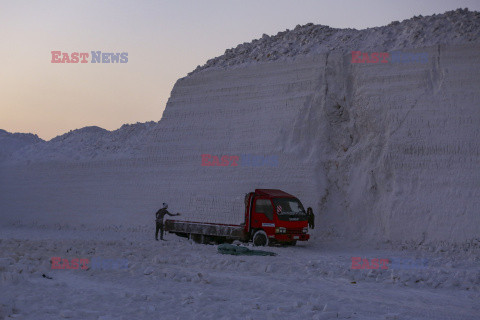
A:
(271, 216)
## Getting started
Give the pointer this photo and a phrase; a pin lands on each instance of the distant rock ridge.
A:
(80, 144)
(11, 142)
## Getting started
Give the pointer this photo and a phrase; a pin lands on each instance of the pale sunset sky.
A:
(164, 39)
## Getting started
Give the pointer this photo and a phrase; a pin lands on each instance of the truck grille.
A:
(294, 230)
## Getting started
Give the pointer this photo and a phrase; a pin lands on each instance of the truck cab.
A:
(274, 216)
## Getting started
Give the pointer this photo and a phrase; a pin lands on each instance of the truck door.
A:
(263, 215)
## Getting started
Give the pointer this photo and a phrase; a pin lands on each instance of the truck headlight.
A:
(280, 230)
(305, 230)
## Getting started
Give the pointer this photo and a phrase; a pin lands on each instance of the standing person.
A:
(159, 220)
(311, 218)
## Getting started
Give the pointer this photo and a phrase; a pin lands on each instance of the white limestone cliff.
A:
(380, 151)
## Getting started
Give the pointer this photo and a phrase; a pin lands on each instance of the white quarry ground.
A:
(178, 279)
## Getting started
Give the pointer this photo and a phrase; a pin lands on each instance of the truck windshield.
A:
(289, 209)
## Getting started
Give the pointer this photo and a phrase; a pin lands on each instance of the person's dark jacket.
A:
(311, 218)
(161, 213)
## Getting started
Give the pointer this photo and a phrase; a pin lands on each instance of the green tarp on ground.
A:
(226, 248)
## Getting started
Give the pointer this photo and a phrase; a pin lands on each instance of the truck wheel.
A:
(260, 238)
(197, 238)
